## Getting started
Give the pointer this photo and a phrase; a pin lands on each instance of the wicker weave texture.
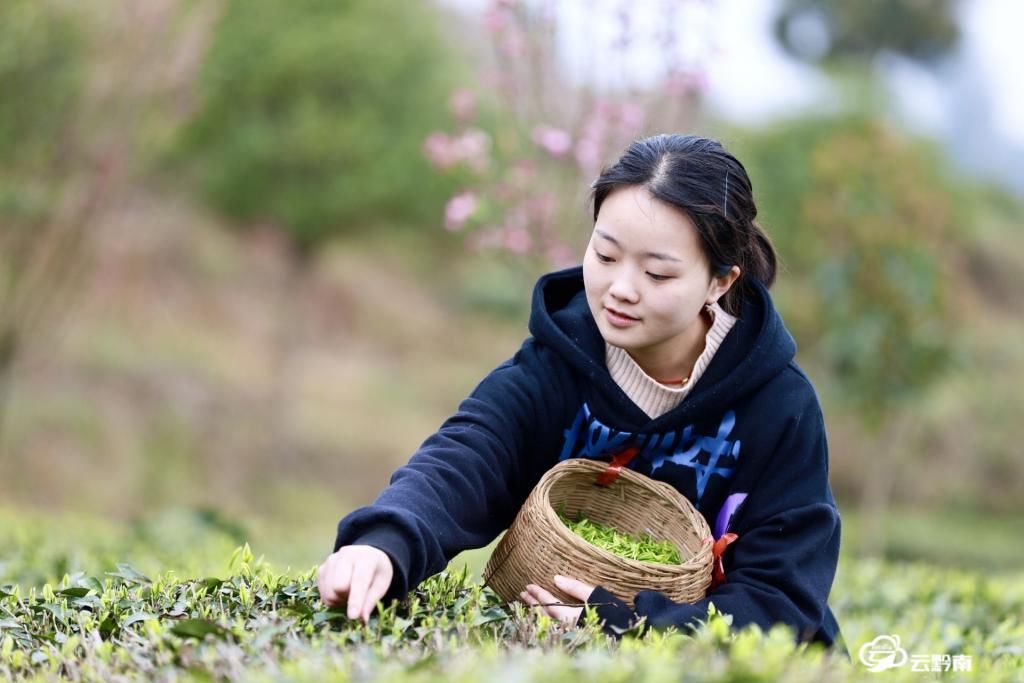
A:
(538, 545)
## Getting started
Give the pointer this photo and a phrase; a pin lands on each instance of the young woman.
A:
(666, 340)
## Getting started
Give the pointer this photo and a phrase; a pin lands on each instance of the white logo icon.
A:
(882, 653)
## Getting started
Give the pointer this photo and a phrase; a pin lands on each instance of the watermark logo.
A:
(884, 653)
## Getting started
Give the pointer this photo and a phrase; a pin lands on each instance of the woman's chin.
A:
(617, 336)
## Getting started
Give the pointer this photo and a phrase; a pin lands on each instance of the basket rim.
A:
(696, 561)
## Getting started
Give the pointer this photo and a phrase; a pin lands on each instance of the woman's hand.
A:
(356, 575)
(535, 595)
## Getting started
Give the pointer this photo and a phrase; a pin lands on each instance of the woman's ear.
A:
(720, 284)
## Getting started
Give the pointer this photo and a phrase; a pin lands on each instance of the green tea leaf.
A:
(643, 548)
(329, 615)
(130, 574)
(136, 617)
(198, 629)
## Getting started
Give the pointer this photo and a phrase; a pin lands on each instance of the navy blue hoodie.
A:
(747, 447)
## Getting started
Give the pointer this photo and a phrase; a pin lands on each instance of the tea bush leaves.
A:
(255, 623)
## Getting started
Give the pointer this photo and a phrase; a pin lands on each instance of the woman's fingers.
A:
(574, 587)
(333, 579)
(342, 580)
(356, 575)
(362, 576)
(535, 595)
(378, 587)
(322, 583)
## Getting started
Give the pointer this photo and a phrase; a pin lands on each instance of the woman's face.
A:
(645, 274)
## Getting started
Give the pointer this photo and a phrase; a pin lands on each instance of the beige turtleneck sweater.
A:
(651, 396)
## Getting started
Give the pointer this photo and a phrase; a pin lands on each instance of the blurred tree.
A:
(833, 31)
(311, 113)
(40, 248)
(864, 220)
(309, 120)
(77, 86)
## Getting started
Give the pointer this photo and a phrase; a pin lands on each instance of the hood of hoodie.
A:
(756, 349)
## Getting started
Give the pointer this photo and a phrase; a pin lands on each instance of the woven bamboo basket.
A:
(538, 545)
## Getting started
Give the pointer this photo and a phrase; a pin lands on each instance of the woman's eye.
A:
(659, 278)
(602, 258)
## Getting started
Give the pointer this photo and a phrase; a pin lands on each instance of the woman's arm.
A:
(466, 482)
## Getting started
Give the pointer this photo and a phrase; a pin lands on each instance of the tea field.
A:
(88, 601)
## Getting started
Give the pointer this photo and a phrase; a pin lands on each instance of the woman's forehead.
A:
(634, 220)
(635, 204)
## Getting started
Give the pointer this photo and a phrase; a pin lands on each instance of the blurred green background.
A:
(252, 253)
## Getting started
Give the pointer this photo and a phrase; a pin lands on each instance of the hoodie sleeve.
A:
(781, 567)
(466, 482)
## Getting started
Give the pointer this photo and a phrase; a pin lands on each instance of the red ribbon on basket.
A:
(619, 460)
(717, 551)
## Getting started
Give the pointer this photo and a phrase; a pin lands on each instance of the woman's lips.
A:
(618, 319)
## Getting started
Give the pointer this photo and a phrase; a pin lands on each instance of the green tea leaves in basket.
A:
(643, 548)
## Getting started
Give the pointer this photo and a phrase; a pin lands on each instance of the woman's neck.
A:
(671, 362)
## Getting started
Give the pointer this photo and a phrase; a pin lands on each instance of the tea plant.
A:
(114, 622)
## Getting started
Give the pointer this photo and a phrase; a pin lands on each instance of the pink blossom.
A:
(517, 218)
(602, 109)
(510, 202)
(438, 150)
(554, 141)
(459, 209)
(588, 155)
(497, 17)
(513, 45)
(503, 191)
(631, 117)
(485, 238)
(523, 173)
(517, 240)
(561, 256)
(516, 237)
(462, 103)
(490, 79)
(590, 148)
(683, 83)
(473, 147)
(542, 205)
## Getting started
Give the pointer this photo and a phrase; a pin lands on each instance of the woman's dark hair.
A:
(711, 186)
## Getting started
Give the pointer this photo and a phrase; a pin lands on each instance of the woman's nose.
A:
(622, 288)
